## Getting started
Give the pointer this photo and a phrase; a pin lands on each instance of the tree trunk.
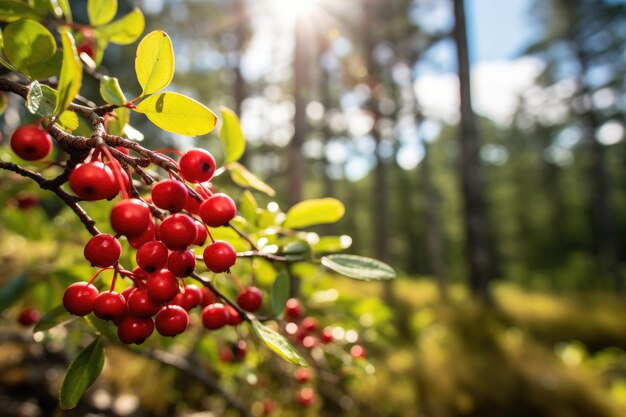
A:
(296, 159)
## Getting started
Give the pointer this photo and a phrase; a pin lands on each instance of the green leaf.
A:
(66, 10)
(68, 121)
(48, 68)
(359, 267)
(71, 74)
(244, 178)
(34, 97)
(177, 113)
(55, 317)
(231, 136)
(313, 212)
(1, 39)
(101, 12)
(277, 343)
(11, 11)
(248, 206)
(28, 43)
(48, 7)
(154, 63)
(125, 30)
(116, 125)
(111, 91)
(297, 251)
(41, 100)
(328, 244)
(81, 373)
(280, 293)
(105, 328)
(12, 291)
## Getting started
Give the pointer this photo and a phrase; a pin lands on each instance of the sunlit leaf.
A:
(328, 244)
(66, 10)
(314, 212)
(231, 136)
(55, 317)
(81, 373)
(101, 12)
(41, 99)
(359, 267)
(248, 206)
(117, 124)
(177, 113)
(125, 30)
(12, 291)
(111, 91)
(154, 62)
(48, 68)
(68, 121)
(297, 251)
(48, 7)
(1, 39)
(277, 343)
(11, 10)
(241, 176)
(71, 74)
(28, 43)
(34, 97)
(280, 293)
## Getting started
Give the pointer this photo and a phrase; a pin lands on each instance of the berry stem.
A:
(210, 235)
(116, 170)
(114, 277)
(93, 278)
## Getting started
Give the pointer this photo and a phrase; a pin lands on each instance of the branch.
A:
(207, 283)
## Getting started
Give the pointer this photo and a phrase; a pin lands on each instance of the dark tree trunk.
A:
(472, 183)
(296, 159)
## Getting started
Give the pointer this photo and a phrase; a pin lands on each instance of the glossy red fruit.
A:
(182, 263)
(192, 205)
(306, 396)
(240, 349)
(358, 351)
(309, 324)
(208, 297)
(130, 217)
(250, 299)
(219, 256)
(217, 210)
(140, 274)
(293, 309)
(302, 375)
(103, 250)
(170, 195)
(28, 317)
(27, 201)
(197, 165)
(234, 318)
(88, 49)
(79, 297)
(93, 181)
(109, 305)
(140, 304)
(177, 231)
(162, 286)
(189, 297)
(152, 256)
(214, 316)
(171, 320)
(201, 234)
(327, 335)
(147, 236)
(127, 292)
(134, 329)
(31, 143)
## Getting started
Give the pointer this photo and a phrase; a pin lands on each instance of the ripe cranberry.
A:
(170, 195)
(302, 375)
(79, 297)
(109, 305)
(28, 317)
(162, 286)
(208, 297)
(190, 297)
(182, 263)
(87, 48)
(192, 205)
(130, 217)
(240, 349)
(103, 250)
(140, 304)
(123, 174)
(135, 329)
(201, 234)
(127, 292)
(309, 342)
(293, 309)
(309, 324)
(171, 320)
(147, 236)
(177, 231)
(234, 318)
(268, 406)
(140, 274)
(327, 335)
(197, 165)
(306, 396)
(217, 210)
(214, 316)
(358, 351)
(152, 256)
(219, 256)
(27, 201)
(93, 181)
(250, 299)
(31, 143)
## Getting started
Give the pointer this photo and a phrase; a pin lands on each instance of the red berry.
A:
(268, 406)
(217, 210)
(93, 181)
(147, 236)
(306, 396)
(309, 342)
(208, 297)
(192, 205)
(171, 320)
(182, 263)
(27, 201)
(219, 256)
(170, 195)
(152, 256)
(140, 274)
(226, 354)
(293, 309)
(140, 304)
(240, 349)
(109, 305)
(162, 286)
(326, 335)
(88, 49)
(197, 165)
(234, 318)
(103, 250)
(190, 297)
(79, 297)
(31, 143)
(201, 234)
(250, 299)
(28, 317)
(135, 329)
(358, 351)
(177, 231)
(302, 375)
(214, 316)
(127, 292)
(130, 217)
(309, 324)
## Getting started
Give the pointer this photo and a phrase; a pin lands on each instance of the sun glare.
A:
(288, 10)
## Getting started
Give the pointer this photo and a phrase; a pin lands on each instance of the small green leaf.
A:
(48, 68)
(11, 10)
(12, 291)
(231, 136)
(48, 7)
(116, 125)
(55, 317)
(81, 373)
(1, 39)
(71, 76)
(244, 178)
(101, 12)
(277, 343)
(248, 207)
(41, 105)
(68, 121)
(328, 244)
(154, 63)
(105, 328)
(34, 97)
(125, 30)
(359, 267)
(280, 293)
(111, 91)
(66, 10)
(297, 251)
(28, 43)
(314, 212)
(177, 113)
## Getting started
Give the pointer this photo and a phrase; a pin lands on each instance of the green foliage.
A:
(233, 142)
(101, 12)
(111, 91)
(277, 343)
(359, 267)
(12, 291)
(314, 212)
(81, 373)
(154, 63)
(55, 317)
(280, 293)
(71, 76)
(28, 43)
